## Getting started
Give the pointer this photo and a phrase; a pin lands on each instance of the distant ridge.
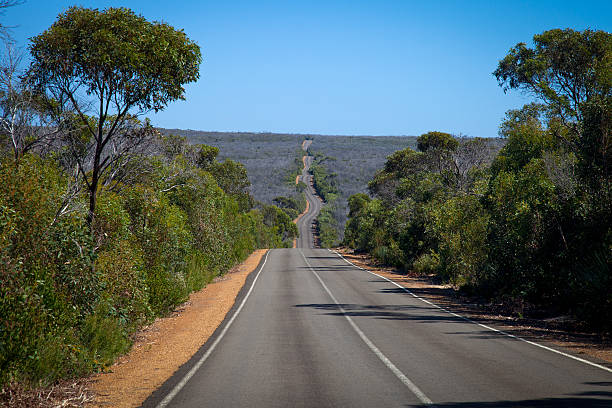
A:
(192, 132)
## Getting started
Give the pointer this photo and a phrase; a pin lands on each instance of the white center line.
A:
(398, 373)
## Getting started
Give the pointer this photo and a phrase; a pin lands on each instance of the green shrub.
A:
(72, 293)
(124, 284)
(327, 226)
(461, 226)
(198, 275)
(103, 338)
(427, 264)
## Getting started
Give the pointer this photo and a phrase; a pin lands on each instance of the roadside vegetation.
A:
(326, 185)
(530, 225)
(105, 223)
(357, 158)
(272, 160)
(353, 160)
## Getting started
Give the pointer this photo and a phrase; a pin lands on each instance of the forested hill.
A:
(272, 160)
(343, 165)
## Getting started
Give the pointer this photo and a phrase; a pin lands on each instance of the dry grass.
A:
(66, 394)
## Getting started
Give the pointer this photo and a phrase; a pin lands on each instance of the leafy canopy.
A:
(565, 69)
(571, 73)
(437, 141)
(117, 55)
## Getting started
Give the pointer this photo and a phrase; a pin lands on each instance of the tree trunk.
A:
(93, 188)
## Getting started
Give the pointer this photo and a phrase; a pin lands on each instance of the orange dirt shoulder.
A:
(161, 348)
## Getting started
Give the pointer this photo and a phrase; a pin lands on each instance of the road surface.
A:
(305, 223)
(311, 330)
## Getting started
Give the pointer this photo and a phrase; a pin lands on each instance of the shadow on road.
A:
(389, 312)
(569, 402)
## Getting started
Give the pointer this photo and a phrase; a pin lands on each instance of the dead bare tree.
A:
(25, 123)
(470, 154)
(5, 33)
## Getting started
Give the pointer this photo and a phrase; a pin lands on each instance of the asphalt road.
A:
(311, 330)
(305, 223)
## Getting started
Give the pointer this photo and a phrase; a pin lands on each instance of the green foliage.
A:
(461, 226)
(104, 338)
(427, 264)
(437, 141)
(327, 227)
(293, 206)
(569, 71)
(527, 139)
(326, 185)
(282, 223)
(142, 64)
(206, 156)
(48, 285)
(324, 182)
(72, 293)
(232, 177)
(118, 62)
(565, 69)
(536, 225)
(295, 168)
(363, 222)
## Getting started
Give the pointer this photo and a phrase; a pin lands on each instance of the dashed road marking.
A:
(398, 373)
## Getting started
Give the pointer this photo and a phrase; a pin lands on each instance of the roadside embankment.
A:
(161, 348)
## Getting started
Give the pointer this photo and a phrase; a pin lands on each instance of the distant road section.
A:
(305, 223)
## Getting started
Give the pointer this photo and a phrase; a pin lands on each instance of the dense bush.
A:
(48, 283)
(528, 227)
(72, 293)
(535, 224)
(326, 185)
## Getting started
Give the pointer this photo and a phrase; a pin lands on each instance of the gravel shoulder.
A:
(555, 331)
(161, 348)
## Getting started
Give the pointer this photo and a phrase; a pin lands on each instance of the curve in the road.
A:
(305, 221)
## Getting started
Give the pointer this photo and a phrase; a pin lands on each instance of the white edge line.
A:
(398, 373)
(178, 387)
(476, 323)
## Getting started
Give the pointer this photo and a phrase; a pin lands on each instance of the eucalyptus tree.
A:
(102, 70)
(571, 73)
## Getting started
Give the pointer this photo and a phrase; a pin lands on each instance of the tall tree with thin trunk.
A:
(103, 69)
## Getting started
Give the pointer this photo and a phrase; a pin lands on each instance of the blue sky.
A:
(343, 67)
